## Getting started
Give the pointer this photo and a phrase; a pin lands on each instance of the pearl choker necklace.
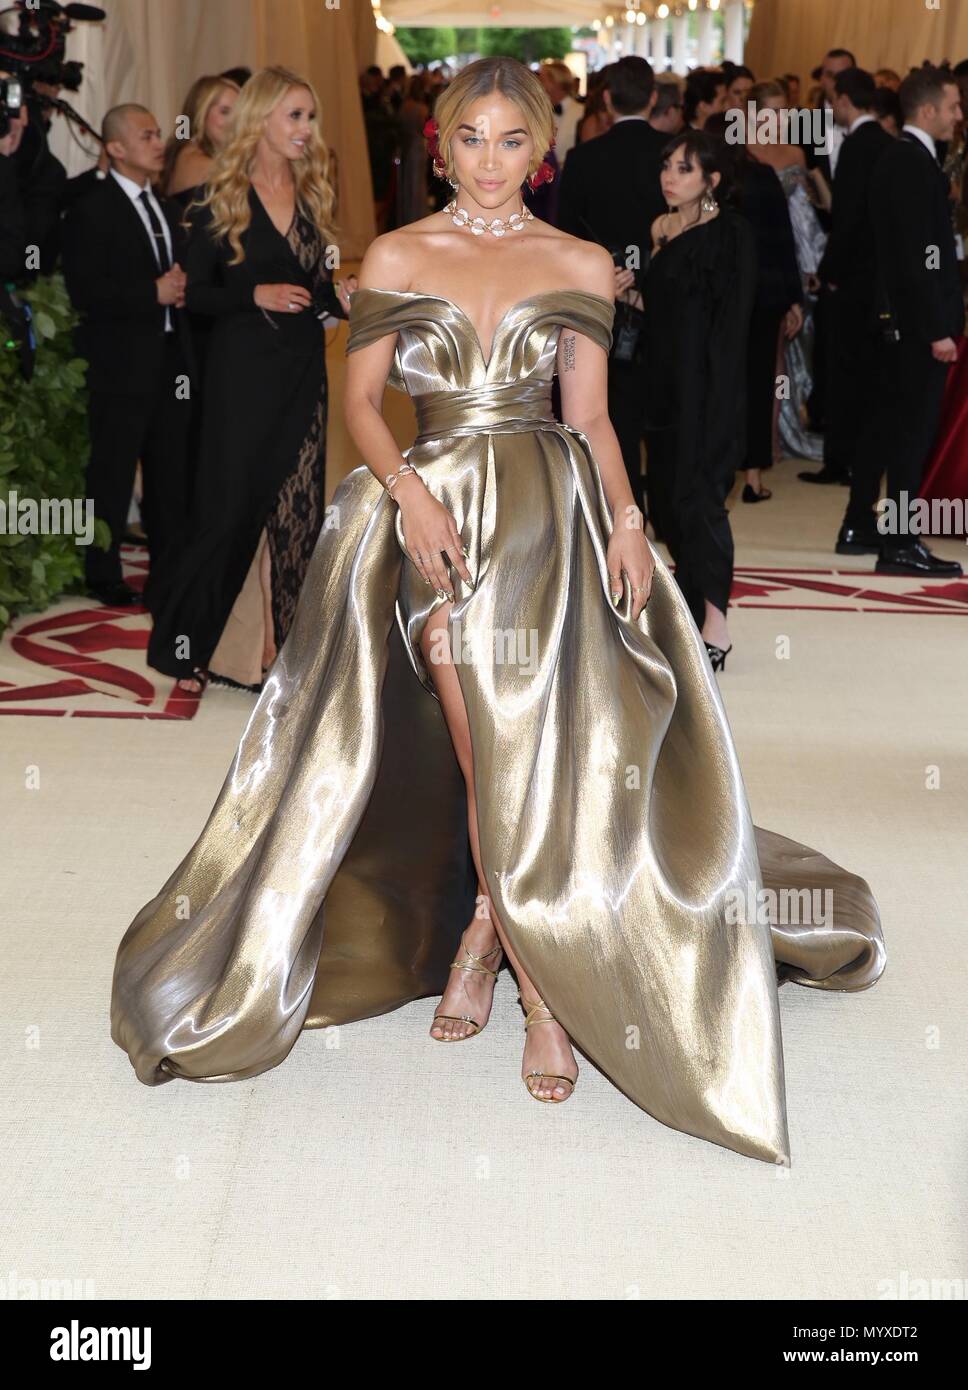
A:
(497, 225)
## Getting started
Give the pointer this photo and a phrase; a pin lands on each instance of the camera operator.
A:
(13, 222)
(34, 179)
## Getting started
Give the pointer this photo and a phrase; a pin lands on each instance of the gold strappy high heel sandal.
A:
(530, 1010)
(473, 963)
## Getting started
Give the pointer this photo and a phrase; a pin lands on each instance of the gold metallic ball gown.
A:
(333, 877)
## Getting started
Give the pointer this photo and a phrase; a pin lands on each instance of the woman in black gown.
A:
(698, 298)
(257, 263)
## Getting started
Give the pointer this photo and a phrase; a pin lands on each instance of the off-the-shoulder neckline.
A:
(539, 294)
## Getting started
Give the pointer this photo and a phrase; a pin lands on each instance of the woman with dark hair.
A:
(698, 299)
(705, 95)
(778, 304)
(596, 117)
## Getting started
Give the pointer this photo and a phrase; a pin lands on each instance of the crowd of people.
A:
(199, 270)
(774, 297)
(809, 324)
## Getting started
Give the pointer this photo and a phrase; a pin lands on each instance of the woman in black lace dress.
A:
(260, 244)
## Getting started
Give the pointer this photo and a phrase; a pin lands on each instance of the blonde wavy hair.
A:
(227, 191)
(514, 81)
(202, 95)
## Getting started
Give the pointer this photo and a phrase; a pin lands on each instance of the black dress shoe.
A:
(751, 495)
(859, 540)
(914, 557)
(119, 595)
(826, 475)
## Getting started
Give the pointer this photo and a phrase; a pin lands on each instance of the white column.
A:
(628, 39)
(705, 32)
(642, 40)
(680, 38)
(657, 33)
(733, 24)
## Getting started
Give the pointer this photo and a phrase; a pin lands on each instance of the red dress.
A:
(946, 470)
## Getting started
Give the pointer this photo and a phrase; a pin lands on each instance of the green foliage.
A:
(427, 45)
(529, 45)
(43, 452)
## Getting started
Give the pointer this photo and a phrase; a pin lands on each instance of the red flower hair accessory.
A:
(545, 171)
(431, 132)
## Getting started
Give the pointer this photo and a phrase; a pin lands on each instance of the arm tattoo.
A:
(568, 353)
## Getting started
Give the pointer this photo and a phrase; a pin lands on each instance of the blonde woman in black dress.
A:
(261, 241)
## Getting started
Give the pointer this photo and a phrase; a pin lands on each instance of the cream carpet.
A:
(379, 1164)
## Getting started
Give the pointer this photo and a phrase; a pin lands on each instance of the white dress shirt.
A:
(836, 135)
(926, 140)
(861, 120)
(134, 192)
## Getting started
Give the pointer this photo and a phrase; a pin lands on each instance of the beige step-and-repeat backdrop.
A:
(793, 35)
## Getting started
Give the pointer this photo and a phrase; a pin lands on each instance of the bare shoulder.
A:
(384, 264)
(584, 264)
(392, 259)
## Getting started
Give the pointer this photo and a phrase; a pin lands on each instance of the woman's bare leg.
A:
(714, 629)
(547, 1048)
(265, 577)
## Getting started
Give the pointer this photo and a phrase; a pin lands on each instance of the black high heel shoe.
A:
(718, 655)
(750, 495)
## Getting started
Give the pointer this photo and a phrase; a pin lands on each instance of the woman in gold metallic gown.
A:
(464, 726)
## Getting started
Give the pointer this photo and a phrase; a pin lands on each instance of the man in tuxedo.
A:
(847, 276)
(610, 193)
(122, 250)
(824, 159)
(921, 306)
(838, 60)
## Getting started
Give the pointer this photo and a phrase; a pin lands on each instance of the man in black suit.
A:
(847, 275)
(122, 249)
(610, 193)
(922, 311)
(836, 61)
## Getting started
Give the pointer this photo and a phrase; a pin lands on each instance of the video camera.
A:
(35, 53)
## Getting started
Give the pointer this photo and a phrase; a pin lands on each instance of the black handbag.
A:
(626, 333)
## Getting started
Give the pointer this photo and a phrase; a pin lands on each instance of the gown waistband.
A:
(499, 408)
